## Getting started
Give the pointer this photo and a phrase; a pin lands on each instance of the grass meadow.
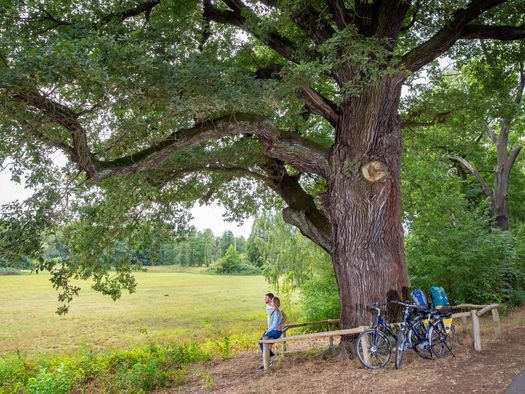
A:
(168, 306)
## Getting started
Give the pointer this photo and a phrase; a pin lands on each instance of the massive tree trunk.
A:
(365, 202)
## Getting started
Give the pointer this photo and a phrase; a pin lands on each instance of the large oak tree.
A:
(186, 97)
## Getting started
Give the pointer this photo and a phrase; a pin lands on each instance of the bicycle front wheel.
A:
(373, 349)
(400, 350)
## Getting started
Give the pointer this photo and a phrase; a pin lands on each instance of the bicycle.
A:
(446, 334)
(373, 347)
(427, 340)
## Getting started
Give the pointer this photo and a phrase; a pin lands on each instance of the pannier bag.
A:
(419, 298)
(447, 323)
(439, 298)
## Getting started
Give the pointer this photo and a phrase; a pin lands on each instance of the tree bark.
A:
(365, 202)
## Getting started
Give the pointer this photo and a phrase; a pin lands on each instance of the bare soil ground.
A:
(311, 371)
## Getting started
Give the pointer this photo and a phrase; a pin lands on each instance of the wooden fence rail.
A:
(476, 311)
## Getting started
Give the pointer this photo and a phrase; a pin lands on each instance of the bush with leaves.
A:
(233, 263)
(450, 240)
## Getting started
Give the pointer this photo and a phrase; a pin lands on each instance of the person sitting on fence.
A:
(269, 309)
(275, 321)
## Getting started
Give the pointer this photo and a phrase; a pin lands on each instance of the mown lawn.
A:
(168, 306)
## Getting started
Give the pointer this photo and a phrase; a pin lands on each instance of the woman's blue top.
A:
(275, 319)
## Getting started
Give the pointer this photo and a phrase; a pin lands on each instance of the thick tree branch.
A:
(447, 35)
(511, 160)
(62, 115)
(491, 133)
(521, 86)
(366, 14)
(304, 155)
(504, 33)
(412, 120)
(314, 101)
(469, 167)
(319, 105)
(278, 43)
(143, 8)
(302, 211)
(390, 18)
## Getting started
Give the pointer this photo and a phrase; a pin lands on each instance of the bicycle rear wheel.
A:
(441, 342)
(400, 350)
(373, 349)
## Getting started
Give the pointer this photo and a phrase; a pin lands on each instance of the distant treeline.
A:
(198, 248)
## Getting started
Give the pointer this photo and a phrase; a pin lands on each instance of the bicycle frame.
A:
(381, 323)
(407, 326)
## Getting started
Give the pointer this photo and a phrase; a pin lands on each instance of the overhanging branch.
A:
(511, 160)
(447, 35)
(62, 115)
(301, 153)
(504, 33)
(492, 134)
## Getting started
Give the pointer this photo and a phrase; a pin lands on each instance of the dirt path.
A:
(489, 371)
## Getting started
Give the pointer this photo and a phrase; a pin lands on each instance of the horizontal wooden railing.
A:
(475, 312)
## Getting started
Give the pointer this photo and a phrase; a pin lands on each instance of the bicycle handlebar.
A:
(410, 305)
(376, 306)
(405, 304)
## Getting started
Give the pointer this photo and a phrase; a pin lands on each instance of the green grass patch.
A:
(182, 317)
(168, 307)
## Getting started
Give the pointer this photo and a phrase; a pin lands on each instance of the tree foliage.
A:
(158, 104)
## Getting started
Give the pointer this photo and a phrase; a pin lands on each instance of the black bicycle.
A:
(373, 348)
(425, 334)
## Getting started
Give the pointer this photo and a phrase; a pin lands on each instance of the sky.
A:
(208, 216)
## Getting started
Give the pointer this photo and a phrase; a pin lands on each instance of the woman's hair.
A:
(276, 304)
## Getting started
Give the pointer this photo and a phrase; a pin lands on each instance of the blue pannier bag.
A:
(439, 297)
(419, 298)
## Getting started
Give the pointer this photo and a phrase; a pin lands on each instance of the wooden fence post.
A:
(476, 334)
(497, 324)
(284, 344)
(331, 339)
(266, 356)
(464, 329)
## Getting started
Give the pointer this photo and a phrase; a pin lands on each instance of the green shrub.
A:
(9, 271)
(59, 381)
(516, 297)
(134, 370)
(472, 261)
(320, 298)
(233, 263)
(14, 372)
